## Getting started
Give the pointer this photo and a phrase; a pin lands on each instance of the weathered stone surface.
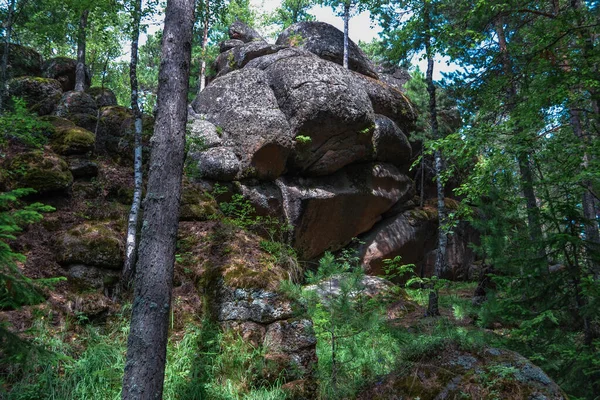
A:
(72, 140)
(251, 332)
(265, 197)
(450, 373)
(390, 144)
(237, 57)
(91, 244)
(22, 61)
(43, 171)
(257, 305)
(63, 70)
(202, 135)
(115, 132)
(93, 277)
(103, 97)
(83, 168)
(327, 212)
(76, 103)
(242, 105)
(370, 286)
(218, 163)
(240, 31)
(394, 76)
(326, 107)
(409, 235)
(327, 42)
(390, 102)
(229, 44)
(196, 205)
(267, 60)
(40, 94)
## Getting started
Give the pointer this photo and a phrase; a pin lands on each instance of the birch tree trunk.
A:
(132, 224)
(346, 28)
(8, 30)
(147, 342)
(202, 77)
(440, 258)
(81, 42)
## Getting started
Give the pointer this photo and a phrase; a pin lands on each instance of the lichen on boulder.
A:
(72, 140)
(43, 171)
(93, 244)
(40, 94)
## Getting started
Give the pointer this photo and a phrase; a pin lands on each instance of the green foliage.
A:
(16, 289)
(23, 126)
(354, 345)
(301, 139)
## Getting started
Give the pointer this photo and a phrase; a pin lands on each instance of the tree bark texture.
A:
(440, 258)
(523, 157)
(346, 28)
(132, 224)
(202, 77)
(81, 41)
(8, 31)
(147, 342)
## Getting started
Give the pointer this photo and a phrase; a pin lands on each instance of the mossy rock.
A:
(72, 103)
(63, 70)
(72, 140)
(22, 61)
(104, 97)
(91, 244)
(57, 122)
(40, 94)
(196, 205)
(452, 373)
(43, 171)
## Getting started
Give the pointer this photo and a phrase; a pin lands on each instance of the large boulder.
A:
(329, 112)
(40, 94)
(390, 144)
(244, 110)
(91, 244)
(115, 132)
(327, 212)
(74, 103)
(102, 96)
(327, 42)
(410, 235)
(389, 101)
(43, 171)
(72, 140)
(22, 61)
(240, 31)
(238, 56)
(451, 373)
(63, 70)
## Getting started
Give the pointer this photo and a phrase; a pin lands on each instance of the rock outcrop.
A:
(310, 142)
(452, 373)
(327, 42)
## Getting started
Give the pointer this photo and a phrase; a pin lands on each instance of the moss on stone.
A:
(69, 140)
(94, 244)
(43, 171)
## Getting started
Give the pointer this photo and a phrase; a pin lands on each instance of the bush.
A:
(23, 126)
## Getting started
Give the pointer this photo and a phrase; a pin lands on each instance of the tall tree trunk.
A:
(8, 30)
(592, 234)
(523, 157)
(81, 41)
(132, 225)
(202, 77)
(147, 343)
(440, 258)
(346, 23)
